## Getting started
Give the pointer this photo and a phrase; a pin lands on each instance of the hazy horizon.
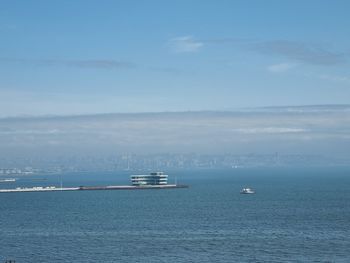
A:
(321, 129)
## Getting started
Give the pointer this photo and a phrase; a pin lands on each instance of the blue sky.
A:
(77, 57)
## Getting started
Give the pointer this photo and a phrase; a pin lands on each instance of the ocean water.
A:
(298, 215)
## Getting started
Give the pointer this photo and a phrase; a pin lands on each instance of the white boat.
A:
(247, 191)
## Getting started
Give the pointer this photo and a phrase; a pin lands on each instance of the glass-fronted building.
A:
(156, 178)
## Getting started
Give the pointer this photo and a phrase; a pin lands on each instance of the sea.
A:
(296, 215)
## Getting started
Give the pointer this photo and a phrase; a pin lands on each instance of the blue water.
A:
(299, 215)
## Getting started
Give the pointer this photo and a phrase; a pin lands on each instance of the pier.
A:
(90, 188)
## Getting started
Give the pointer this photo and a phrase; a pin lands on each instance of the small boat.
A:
(247, 191)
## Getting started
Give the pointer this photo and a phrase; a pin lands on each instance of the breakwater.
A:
(91, 188)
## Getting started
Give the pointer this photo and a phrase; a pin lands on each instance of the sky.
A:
(89, 57)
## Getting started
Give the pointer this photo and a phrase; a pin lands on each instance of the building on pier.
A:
(156, 178)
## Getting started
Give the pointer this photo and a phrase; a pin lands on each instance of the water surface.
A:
(299, 215)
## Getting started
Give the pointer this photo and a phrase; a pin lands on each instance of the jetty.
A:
(155, 180)
(90, 188)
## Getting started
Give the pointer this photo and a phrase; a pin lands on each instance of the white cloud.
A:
(32, 132)
(266, 130)
(185, 44)
(333, 78)
(299, 51)
(282, 67)
(82, 63)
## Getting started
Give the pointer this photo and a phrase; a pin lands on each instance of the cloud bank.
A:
(317, 129)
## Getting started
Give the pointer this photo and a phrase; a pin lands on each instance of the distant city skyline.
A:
(88, 57)
(161, 161)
